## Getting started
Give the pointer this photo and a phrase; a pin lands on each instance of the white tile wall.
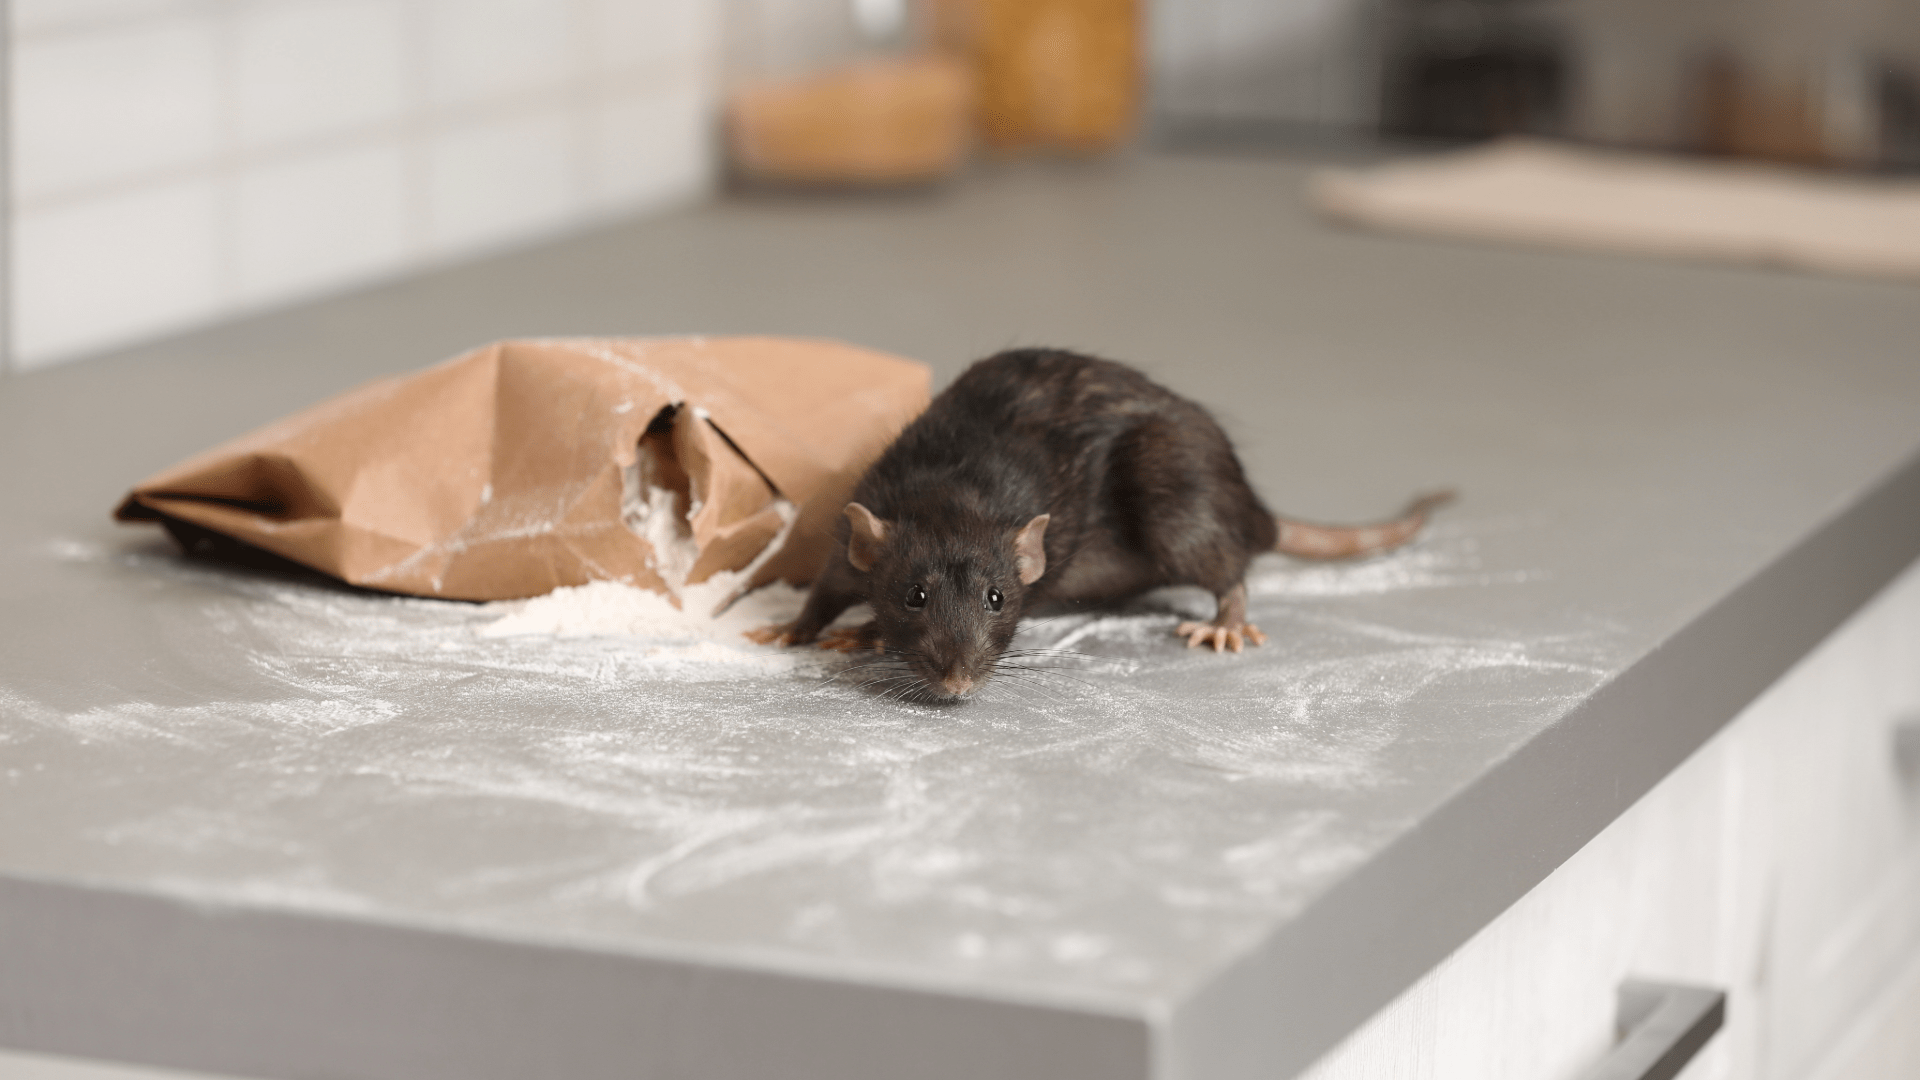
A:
(639, 37)
(478, 49)
(502, 178)
(320, 220)
(635, 138)
(117, 267)
(308, 68)
(38, 15)
(177, 161)
(104, 107)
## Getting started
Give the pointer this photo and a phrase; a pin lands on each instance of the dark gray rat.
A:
(1043, 475)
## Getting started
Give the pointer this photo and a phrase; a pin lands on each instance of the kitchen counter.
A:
(255, 824)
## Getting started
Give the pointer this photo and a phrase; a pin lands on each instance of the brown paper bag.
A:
(524, 466)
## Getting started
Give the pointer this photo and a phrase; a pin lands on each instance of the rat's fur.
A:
(1128, 486)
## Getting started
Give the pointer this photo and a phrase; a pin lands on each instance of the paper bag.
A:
(524, 466)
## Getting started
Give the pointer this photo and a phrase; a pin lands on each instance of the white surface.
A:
(39, 16)
(648, 145)
(329, 143)
(500, 178)
(135, 262)
(109, 106)
(1781, 862)
(318, 67)
(322, 220)
(1885, 1043)
(484, 49)
(626, 36)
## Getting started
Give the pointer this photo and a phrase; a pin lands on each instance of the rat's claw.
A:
(1222, 638)
(1195, 633)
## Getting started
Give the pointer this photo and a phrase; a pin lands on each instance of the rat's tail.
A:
(1304, 541)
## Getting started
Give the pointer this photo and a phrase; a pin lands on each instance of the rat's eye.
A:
(916, 596)
(994, 599)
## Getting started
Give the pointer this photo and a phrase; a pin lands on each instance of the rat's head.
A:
(946, 601)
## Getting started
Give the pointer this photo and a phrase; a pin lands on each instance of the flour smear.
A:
(610, 763)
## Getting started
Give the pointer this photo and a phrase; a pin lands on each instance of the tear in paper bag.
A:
(524, 466)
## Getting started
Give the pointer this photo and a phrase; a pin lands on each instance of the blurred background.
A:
(175, 162)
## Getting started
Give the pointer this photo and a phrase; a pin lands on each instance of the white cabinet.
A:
(1781, 862)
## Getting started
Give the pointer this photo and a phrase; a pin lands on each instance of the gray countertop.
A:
(255, 824)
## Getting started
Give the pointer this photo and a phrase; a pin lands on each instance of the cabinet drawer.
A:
(1780, 862)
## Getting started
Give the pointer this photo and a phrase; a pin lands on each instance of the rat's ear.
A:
(866, 538)
(1029, 551)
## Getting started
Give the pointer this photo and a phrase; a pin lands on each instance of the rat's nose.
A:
(957, 684)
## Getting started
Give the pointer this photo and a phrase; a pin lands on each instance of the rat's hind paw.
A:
(1220, 637)
(851, 639)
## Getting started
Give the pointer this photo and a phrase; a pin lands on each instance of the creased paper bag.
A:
(523, 466)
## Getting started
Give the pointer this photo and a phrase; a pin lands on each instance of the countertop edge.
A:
(1294, 997)
(230, 989)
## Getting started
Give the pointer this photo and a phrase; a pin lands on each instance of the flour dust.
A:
(606, 763)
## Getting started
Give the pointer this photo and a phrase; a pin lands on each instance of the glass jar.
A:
(842, 93)
(1052, 74)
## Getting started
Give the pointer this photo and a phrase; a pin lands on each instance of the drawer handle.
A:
(1661, 1027)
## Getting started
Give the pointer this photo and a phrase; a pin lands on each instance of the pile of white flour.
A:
(604, 608)
(715, 610)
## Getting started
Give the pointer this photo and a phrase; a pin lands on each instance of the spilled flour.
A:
(715, 613)
(601, 765)
(1447, 561)
(656, 510)
(611, 608)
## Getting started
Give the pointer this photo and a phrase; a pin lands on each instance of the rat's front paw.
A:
(852, 639)
(773, 634)
(1220, 637)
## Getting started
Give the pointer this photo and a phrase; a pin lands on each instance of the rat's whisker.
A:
(1066, 654)
(897, 679)
(879, 683)
(1025, 678)
(1030, 693)
(1031, 670)
(870, 667)
(1031, 625)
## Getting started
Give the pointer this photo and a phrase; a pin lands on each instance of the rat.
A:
(1042, 475)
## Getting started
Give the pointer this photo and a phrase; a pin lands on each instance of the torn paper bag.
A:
(524, 466)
